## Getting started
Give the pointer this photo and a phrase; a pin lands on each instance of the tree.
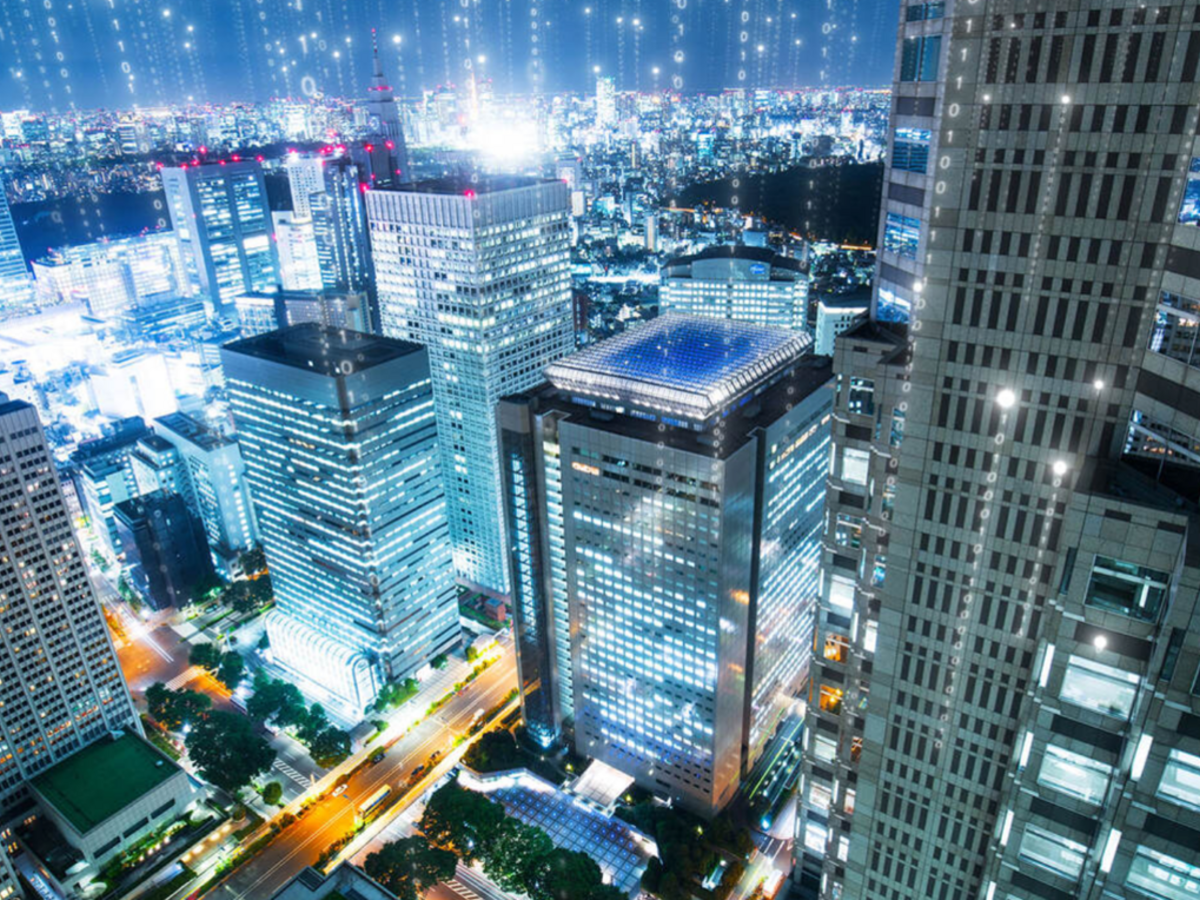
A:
(565, 875)
(228, 751)
(206, 656)
(410, 866)
(171, 709)
(461, 820)
(513, 858)
(232, 670)
(330, 747)
(272, 793)
(312, 724)
(275, 699)
(239, 596)
(253, 561)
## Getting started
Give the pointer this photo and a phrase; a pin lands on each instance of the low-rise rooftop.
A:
(319, 348)
(103, 778)
(689, 367)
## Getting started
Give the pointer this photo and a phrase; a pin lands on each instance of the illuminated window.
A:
(1181, 779)
(848, 532)
(1098, 687)
(1074, 774)
(910, 148)
(837, 647)
(856, 465)
(1176, 326)
(1122, 587)
(902, 234)
(861, 398)
(1189, 209)
(920, 57)
(1163, 876)
(1052, 851)
(831, 698)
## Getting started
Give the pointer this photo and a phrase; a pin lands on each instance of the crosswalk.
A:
(288, 772)
(462, 890)
(183, 678)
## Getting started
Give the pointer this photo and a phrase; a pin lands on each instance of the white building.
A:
(747, 284)
(836, 314)
(479, 273)
(296, 243)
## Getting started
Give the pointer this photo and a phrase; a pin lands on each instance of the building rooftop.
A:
(102, 779)
(677, 365)
(319, 348)
(738, 251)
(192, 430)
(487, 184)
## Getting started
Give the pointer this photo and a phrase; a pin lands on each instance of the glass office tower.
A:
(60, 685)
(220, 216)
(664, 493)
(749, 284)
(478, 272)
(338, 437)
(1005, 704)
(15, 284)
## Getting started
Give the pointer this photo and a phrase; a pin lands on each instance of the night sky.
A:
(83, 52)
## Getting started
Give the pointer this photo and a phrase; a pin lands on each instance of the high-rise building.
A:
(158, 466)
(339, 222)
(215, 487)
(299, 257)
(15, 285)
(748, 284)
(1006, 701)
(305, 178)
(479, 273)
(664, 508)
(336, 309)
(337, 430)
(220, 217)
(112, 277)
(103, 474)
(606, 101)
(383, 156)
(166, 558)
(60, 686)
(256, 313)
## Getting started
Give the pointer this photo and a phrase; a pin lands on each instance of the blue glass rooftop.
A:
(678, 365)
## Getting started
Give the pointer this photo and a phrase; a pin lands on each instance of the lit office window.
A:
(919, 60)
(819, 796)
(893, 306)
(1074, 774)
(901, 235)
(910, 149)
(856, 465)
(1052, 851)
(861, 398)
(1163, 876)
(920, 12)
(1102, 688)
(815, 836)
(1176, 326)
(841, 593)
(1181, 779)
(848, 532)
(1132, 590)
(824, 749)
(1189, 209)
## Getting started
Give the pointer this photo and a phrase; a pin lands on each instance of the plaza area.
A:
(570, 822)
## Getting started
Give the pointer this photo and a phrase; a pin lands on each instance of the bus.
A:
(372, 803)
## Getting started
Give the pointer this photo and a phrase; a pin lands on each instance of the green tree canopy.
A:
(513, 859)
(330, 747)
(171, 709)
(409, 866)
(565, 875)
(206, 656)
(272, 793)
(232, 670)
(228, 751)
(461, 820)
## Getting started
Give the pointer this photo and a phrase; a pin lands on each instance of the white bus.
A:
(371, 804)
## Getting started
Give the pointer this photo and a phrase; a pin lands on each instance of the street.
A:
(301, 844)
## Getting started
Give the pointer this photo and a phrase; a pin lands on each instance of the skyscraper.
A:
(1006, 703)
(664, 499)
(337, 430)
(606, 101)
(214, 485)
(383, 156)
(166, 555)
(15, 284)
(339, 224)
(104, 476)
(60, 686)
(749, 284)
(220, 216)
(477, 272)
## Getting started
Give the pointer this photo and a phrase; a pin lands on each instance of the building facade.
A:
(14, 275)
(220, 217)
(337, 430)
(60, 683)
(104, 476)
(748, 284)
(339, 222)
(166, 559)
(214, 485)
(479, 274)
(664, 497)
(1006, 703)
